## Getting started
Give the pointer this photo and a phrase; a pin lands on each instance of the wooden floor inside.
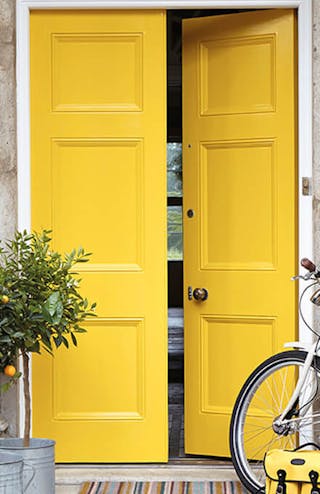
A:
(177, 455)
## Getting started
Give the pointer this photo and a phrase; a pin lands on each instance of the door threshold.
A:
(75, 474)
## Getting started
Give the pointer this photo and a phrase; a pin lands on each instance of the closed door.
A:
(240, 230)
(98, 180)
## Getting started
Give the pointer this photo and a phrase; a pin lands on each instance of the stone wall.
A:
(8, 189)
(316, 141)
(316, 128)
(8, 181)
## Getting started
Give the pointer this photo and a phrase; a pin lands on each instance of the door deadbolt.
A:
(190, 213)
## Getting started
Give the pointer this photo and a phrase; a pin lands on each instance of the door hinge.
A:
(306, 186)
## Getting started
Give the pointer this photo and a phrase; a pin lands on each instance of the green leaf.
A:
(5, 339)
(65, 341)
(74, 339)
(52, 302)
(6, 386)
(46, 342)
(46, 315)
(48, 351)
(81, 330)
(52, 310)
(58, 341)
(18, 334)
(35, 347)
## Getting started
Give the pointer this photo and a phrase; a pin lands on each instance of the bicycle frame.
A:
(301, 382)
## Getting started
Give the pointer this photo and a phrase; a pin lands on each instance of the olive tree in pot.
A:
(41, 309)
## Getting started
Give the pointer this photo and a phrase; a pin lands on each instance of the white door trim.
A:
(304, 9)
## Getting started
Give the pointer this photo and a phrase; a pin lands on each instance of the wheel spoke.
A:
(265, 447)
(284, 380)
(250, 438)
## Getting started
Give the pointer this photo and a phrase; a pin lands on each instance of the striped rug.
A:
(169, 487)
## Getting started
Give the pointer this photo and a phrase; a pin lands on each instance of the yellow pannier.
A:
(292, 472)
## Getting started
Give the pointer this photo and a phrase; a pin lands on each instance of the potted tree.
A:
(41, 309)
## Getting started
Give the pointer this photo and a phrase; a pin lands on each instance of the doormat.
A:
(168, 487)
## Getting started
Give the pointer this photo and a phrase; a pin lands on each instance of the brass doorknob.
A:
(200, 294)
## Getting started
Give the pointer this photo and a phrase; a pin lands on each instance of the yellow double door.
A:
(98, 179)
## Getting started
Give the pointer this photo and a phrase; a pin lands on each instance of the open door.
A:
(98, 99)
(240, 225)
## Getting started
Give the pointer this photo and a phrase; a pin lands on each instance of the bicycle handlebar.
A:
(307, 264)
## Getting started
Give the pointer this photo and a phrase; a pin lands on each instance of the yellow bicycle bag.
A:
(292, 472)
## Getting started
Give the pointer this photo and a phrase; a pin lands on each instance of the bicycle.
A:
(279, 404)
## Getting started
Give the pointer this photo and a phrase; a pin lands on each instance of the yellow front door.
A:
(239, 159)
(98, 180)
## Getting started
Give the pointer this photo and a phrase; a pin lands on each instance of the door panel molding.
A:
(267, 228)
(135, 405)
(304, 11)
(267, 100)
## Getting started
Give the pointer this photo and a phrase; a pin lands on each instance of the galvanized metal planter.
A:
(37, 462)
(11, 474)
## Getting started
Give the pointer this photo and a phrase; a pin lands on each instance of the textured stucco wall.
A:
(7, 119)
(316, 141)
(316, 127)
(8, 182)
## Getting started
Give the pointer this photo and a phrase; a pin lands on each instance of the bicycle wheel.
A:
(262, 399)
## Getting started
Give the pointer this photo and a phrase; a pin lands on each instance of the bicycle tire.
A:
(248, 467)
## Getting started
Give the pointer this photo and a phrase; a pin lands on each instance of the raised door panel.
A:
(97, 72)
(113, 199)
(238, 209)
(246, 68)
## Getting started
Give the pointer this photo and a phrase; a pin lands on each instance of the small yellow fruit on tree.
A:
(9, 370)
(4, 299)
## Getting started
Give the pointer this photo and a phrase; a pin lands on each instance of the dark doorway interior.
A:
(175, 239)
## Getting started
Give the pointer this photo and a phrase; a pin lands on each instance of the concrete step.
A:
(70, 477)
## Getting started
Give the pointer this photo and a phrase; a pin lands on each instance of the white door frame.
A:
(304, 9)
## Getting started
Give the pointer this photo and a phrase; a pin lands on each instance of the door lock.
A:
(190, 213)
(200, 294)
